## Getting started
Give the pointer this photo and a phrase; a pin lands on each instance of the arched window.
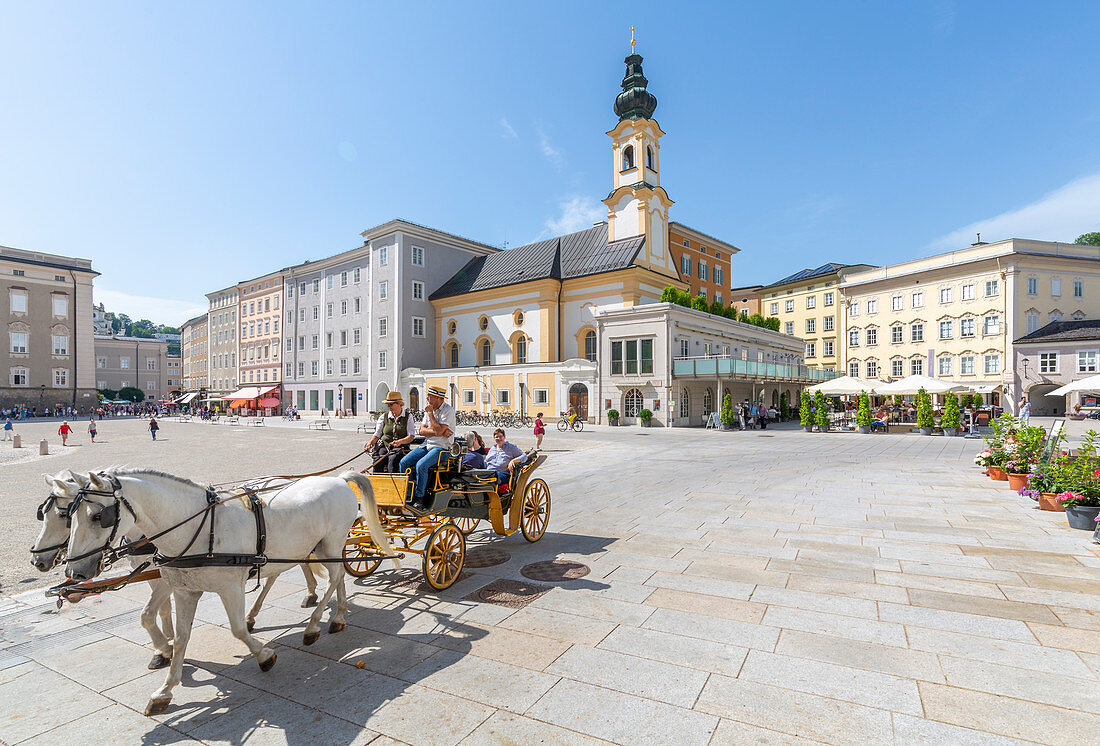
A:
(650, 161)
(521, 349)
(633, 403)
(486, 353)
(708, 401)
(454, 355)
(590, 346)
(685, 403)
(628, 158)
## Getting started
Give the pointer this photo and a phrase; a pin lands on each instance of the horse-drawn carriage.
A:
(457, 500)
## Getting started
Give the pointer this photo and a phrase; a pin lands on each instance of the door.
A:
(350, 400)
(414, 398)
(578, 399)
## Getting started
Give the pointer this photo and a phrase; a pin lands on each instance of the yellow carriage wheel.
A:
(536, 510)
(443, 556)
(359, 559)
(466, 525)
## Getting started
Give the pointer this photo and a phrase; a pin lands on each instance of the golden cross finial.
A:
(632, 42)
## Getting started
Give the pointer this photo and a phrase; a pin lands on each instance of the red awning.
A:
(269, 402)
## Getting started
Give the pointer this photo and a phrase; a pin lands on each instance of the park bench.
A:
(319, 425)
(365, 427)
(258, 422)
(185, 418)
(233, 420)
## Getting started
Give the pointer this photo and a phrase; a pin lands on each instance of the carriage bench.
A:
(319, 425)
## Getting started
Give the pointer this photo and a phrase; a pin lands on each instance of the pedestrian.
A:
(1025, 412)
(741, 415)
(92, 428)
(153, 427)
(64, 431)
(9, 428)
(540, 430)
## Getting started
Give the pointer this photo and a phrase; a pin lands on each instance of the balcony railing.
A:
(726, 367)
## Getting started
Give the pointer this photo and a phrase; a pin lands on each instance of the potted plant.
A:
(951, 419)
(645, 416)
(863, 414)
(727, 415)
(1028, 450)
(821, 413)
(925, 420)
(1082, 511)
(784, 407)
(805, 414)
(613, 417)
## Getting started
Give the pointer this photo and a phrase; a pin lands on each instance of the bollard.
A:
(17, 441)
(43, 448)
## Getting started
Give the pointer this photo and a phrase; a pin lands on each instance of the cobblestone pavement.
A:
(764, 587)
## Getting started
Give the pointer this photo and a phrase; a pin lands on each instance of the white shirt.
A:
(445, 415)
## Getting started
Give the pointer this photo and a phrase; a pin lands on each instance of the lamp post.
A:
(340, 399)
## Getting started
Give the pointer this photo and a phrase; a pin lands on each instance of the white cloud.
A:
(577, 214)
(552, 154)
(507, 131)
(157, 310)
(1061, 215)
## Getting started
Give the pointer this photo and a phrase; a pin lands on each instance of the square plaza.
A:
(769, 586)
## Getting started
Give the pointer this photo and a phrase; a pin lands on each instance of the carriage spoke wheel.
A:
(536, 510)
(443, 556)
(359, 561)
(466, 525)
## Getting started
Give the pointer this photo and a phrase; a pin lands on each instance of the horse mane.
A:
(121, 472)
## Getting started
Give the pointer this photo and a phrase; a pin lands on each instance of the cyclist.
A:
(572, 415)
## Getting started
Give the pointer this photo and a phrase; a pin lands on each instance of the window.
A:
(811, 349)
(467, 396)
(1055, 286)
(383, 326)
(301, 370)
(289, 344)
(289, 294)
(811, 326)
(946, 328)
(945, 295)
(1086, 361)
(897, 302)
(289, 370)
(328, 340)
(966, 365)
(992, 364)
(590, 346)
(719, 275)
(356, 336)
(966, 328)
(316, 312)
(486, 353)
(1032, 286)
(683, 348)
(685, 265)
(872, 336)
(355, 275)
(382, 359)
(853, 308)
(992, 287)
(301, 343)
(968, 291)
(314, 368)
(150, 363)
(19, 342)
(916, 367)
(343, 308)
(944, 366)
(827, 348)
(992, 325)
(301, 288)
(301, 314)
(853, 369)
(633, 403)
(1078, 289)
(811, 301)
(315, 342)
(704, 270)
(918, 300)
(61, 378)
(328, 310)
(788, 306)
(343, 279)
(383, 258)
(418, 290)
(60, 305)
(503, 396)
(896, 334)
(19, 377)
(343, 337)
(788, 328)
(418, 326)
(827, 323)
(18, 302)
(628, 158)
(916, 332)
(828, 299)
(773, 309)
(632, 356)
(101, 362)
(853, 338)
(650, 162)
(454, 355)
(872, 305)
(1055, 315)
(521, 349)
(383, 290)
(1048, 362)
(356, 305)
(1032, 320)
(872, 369)
(343, 366)
(60, 344)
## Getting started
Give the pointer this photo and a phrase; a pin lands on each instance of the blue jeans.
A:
(421, 459)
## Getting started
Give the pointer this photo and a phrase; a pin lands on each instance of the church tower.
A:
(638, 204)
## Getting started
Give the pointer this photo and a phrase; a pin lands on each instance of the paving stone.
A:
(913, 730)
(280, 723)
(425, 717)
(953, 621)
(898, 661)
(489, 682)
(114, 724)
(639, 676)
(728, 631)
(605, 609)
(1006, 652)
(39, 700)
(695, 584)
(1082, 640)
(708, 605)
(84, 664)
(559, 625)
(821, 622)
(505, 645)
(733, 733)
(677, 650)
(848, 588)
(509, 728)
(934, 583)
(811, 601)
(1035, 686)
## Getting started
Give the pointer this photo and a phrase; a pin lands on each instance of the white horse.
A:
(312, 515)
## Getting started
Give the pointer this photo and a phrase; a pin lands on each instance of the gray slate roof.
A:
(579, 254)
(805, 274)
(1065, 331)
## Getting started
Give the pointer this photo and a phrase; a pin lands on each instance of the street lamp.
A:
(340, 398)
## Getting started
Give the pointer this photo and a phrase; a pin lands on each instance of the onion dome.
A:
(635, 102)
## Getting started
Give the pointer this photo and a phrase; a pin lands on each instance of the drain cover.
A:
(554, 570)
(511, 593)
(417, 582)
(486, 557)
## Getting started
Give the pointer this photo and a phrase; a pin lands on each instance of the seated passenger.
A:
(391, 438)
(503, 457)
(438, 431)
(474, 458)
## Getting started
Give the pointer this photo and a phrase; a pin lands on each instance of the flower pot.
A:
(997, 474)
(1096, 536)
(1082, 516)
(865, 429)
(1046, 502)
(950, 432)
(645, 423)
(613, 423)
(808, 428)
(926, 431)
(1017, 482)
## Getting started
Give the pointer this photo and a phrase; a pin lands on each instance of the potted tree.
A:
(613, 417)
(646, 417)
(863, 414)
(805, 414)
(726, 415)
(821, 413)
(784, 407)
(951, 418)
(925, 421)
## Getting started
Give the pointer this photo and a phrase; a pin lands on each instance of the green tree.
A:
(863, 414)
(924, 409)
(699, 303)
(977, 400)
(964, 401)
(784, 407)
(131, 393)
(951, 418)
(668, 295)
(726, 415)
(107, 394)
(805, 416)
(821, 411)
(1089, 239)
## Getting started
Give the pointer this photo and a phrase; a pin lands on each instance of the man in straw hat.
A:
(438, 428)
(391, 435)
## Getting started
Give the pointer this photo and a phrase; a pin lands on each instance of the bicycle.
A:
(570, 422)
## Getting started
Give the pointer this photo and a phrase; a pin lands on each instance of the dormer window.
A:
(628, 158)
(650, 160)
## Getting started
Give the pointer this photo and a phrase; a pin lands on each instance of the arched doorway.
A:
(632, 403)
(414, 398)
(578, 399)
(380, 392)
(775, 398)
(1043, 405)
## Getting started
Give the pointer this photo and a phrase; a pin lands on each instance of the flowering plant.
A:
(1025, 492)
(983, 458)
(1068, 498)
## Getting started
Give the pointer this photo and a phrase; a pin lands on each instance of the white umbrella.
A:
(913, 384)
(1092, 383)
(846, 386)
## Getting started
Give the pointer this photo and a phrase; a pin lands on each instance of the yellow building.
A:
(260, 339)
(807, 305)
(954, 315)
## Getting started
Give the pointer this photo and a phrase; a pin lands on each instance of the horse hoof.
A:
(267, 665)
(310, 600)
(157, 706)
(334, 627)
(159, 661)
(251, 624)
(310, 637)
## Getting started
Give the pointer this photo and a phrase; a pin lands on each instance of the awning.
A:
(187, 398)
(238, 403)
(251, 392)
(984, 388)
(269, 402)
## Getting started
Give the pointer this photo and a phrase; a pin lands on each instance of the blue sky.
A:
(186, 146)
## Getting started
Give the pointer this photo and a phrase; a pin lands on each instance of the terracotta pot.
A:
(1017, 482)
(997, 474)
(1046, 502)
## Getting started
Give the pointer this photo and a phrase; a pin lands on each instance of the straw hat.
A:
(394, 397)
(436, 391)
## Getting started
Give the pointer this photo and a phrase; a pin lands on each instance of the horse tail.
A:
(368, 509)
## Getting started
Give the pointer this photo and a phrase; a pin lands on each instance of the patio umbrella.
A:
(269, 402)
(846, 386)
(913, 384)
(1092, 383)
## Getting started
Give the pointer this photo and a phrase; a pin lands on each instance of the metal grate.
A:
(486, 557)
(69, 638)
(555, 570)
(513, 594)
